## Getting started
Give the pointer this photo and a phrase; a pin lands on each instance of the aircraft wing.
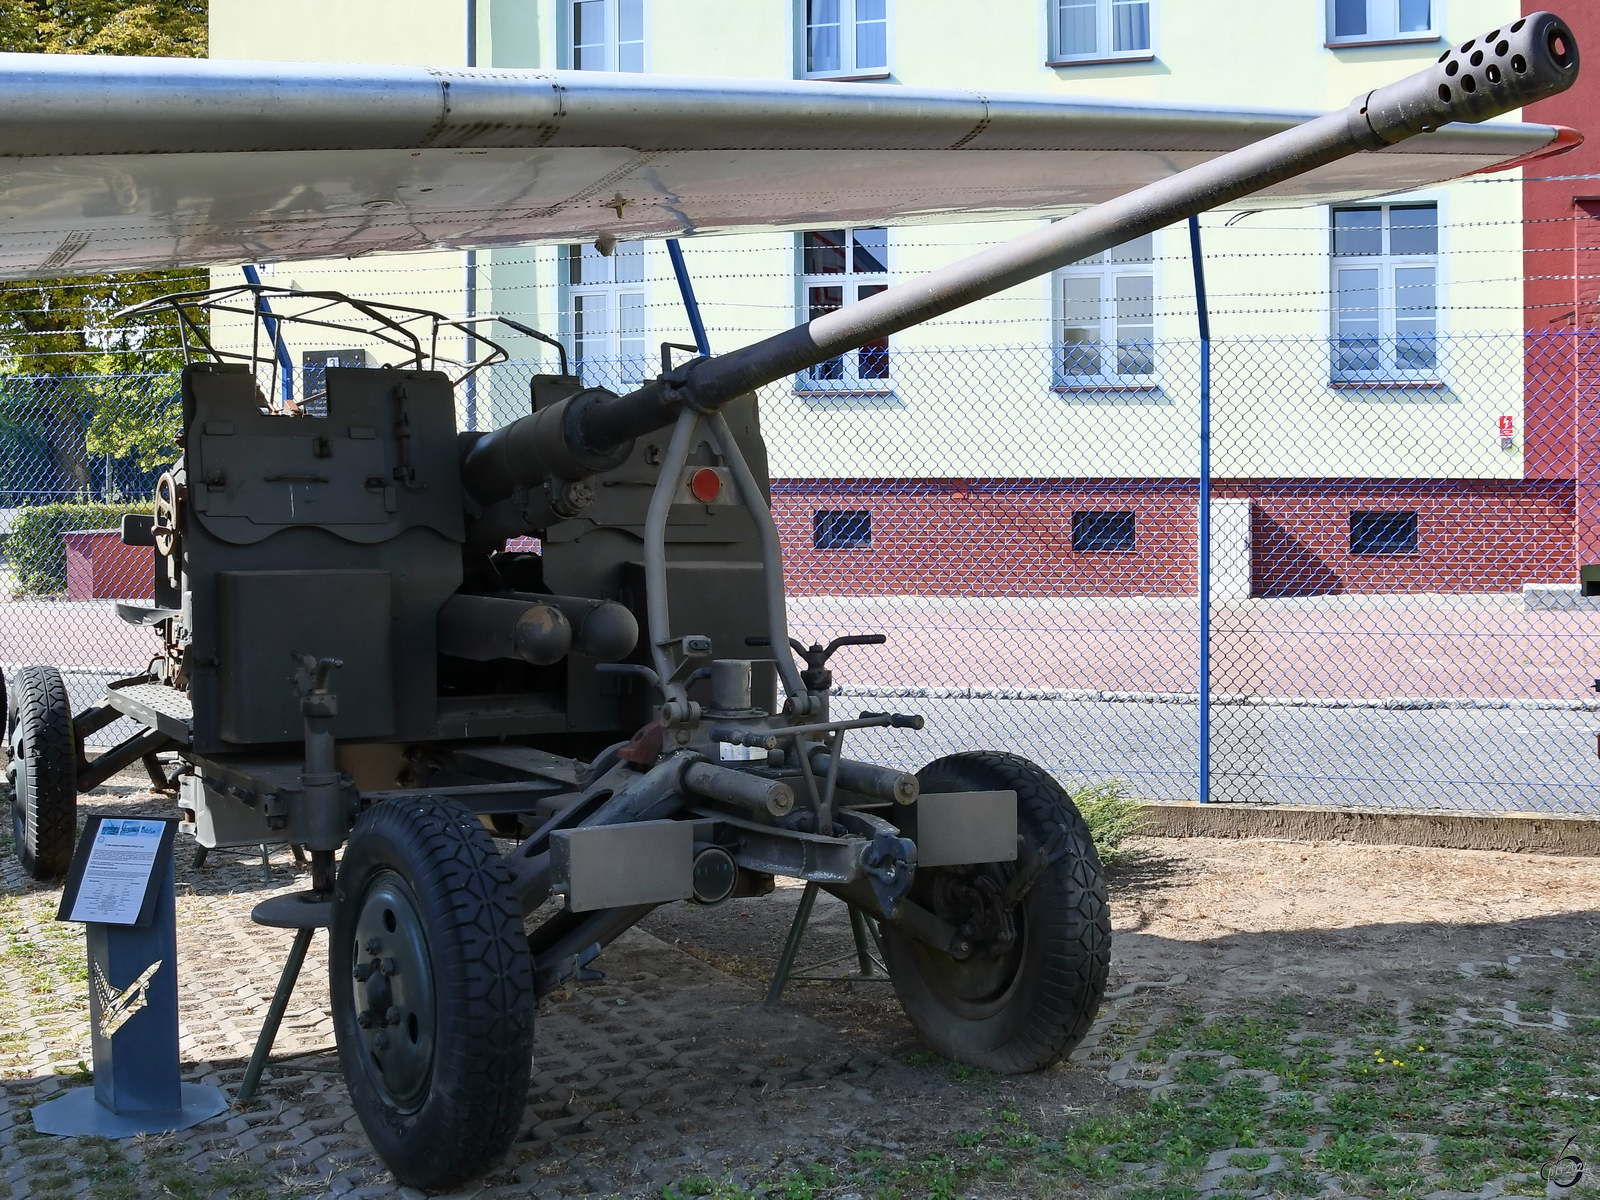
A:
(111, 164)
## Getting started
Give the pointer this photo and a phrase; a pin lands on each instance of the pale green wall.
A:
(424, 32)
(1267, 274)
(515, 33)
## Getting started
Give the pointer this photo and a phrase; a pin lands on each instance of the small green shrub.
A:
(1112, 815)
(34, 547)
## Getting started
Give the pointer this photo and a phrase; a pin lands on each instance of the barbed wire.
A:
(709, 302)
(1515, 340)
(551, 294)
(697, 247)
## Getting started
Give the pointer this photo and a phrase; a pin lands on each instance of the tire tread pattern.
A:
(1068, 908)
(48, 806)
(484, 993)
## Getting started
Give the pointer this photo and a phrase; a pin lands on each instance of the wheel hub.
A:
(973, 901)
(977, 908)
(392, 987)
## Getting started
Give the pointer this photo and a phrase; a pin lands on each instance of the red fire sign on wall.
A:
(1508, 427)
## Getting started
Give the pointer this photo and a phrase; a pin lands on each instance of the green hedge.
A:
(38, 557)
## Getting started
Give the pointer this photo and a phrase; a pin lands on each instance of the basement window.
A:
(841, 529)
(1383, 533)
(1097, 532)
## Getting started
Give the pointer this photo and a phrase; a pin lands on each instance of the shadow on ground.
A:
(1227, 1059)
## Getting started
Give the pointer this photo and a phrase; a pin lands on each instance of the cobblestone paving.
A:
(668, 1067)
(1219, 1067)
(1361, 1092)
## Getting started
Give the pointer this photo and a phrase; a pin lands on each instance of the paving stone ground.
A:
(669, 1077)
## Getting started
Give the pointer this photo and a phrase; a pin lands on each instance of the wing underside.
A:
(113, 164)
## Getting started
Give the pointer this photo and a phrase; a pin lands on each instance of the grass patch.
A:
(1112, 815)
(49, 960)
(1252, 1092)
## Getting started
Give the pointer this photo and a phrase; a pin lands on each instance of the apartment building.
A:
(1368, 409)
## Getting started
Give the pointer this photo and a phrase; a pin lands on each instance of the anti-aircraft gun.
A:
(350, 658)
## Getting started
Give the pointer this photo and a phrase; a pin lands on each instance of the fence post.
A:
(285, 362)
(686, 288)
(470, 297)
(470, 383)
(1204, 515)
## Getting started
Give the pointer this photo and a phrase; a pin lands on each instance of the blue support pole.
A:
(1204, 515)
(686, 288)
(471, 356)
(270, 324)
(470, 384)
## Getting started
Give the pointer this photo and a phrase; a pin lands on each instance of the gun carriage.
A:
(351, 658)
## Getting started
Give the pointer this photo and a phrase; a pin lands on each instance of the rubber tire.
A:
(1055, 988)
(44, 792)
(483, 987)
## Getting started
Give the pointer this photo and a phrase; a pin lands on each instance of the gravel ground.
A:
(1256, 987)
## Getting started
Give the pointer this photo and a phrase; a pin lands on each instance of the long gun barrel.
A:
(1509, 67)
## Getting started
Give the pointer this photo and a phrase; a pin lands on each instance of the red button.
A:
(706, 485)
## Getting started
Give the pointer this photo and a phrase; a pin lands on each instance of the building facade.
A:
(1561, 263)
(1370, 372)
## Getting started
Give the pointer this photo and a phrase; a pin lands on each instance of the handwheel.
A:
(165, 526)
(42, 771)
(1033, 984)
(432, 991)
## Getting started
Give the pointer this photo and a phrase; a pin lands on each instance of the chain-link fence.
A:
(1397, 534)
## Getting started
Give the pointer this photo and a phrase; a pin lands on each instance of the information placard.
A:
(111, 881)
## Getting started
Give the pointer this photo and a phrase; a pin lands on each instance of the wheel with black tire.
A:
(42, 771)
(432, 990)
(1033, 983)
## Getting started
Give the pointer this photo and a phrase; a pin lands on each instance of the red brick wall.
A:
(1014, 537)
(1561, 265)
(995, 538)
(1472, 536)
(1548, 205)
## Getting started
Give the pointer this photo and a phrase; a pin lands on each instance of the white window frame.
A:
(849, 26)
(1106, 269)
(624, 361)
(843, 376)
(616, 55)
(1106, 14)
(1383, 24)
(1390, 365)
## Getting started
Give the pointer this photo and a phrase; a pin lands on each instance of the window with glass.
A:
(1363, 21)
(1385, 280)
(1103, 532)
(1106, 318)
(1099, 29)
(839, 267)
(841, 529)
(606, 315)
(1383, 533)
(607, 35)
(846, 37)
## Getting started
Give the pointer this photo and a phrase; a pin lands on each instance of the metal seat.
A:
(305, 913)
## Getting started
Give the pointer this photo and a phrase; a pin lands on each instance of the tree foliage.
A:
(174, 28)
(65, 327)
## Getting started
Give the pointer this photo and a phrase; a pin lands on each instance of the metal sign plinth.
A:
(133, 1014)
(80, 1114)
